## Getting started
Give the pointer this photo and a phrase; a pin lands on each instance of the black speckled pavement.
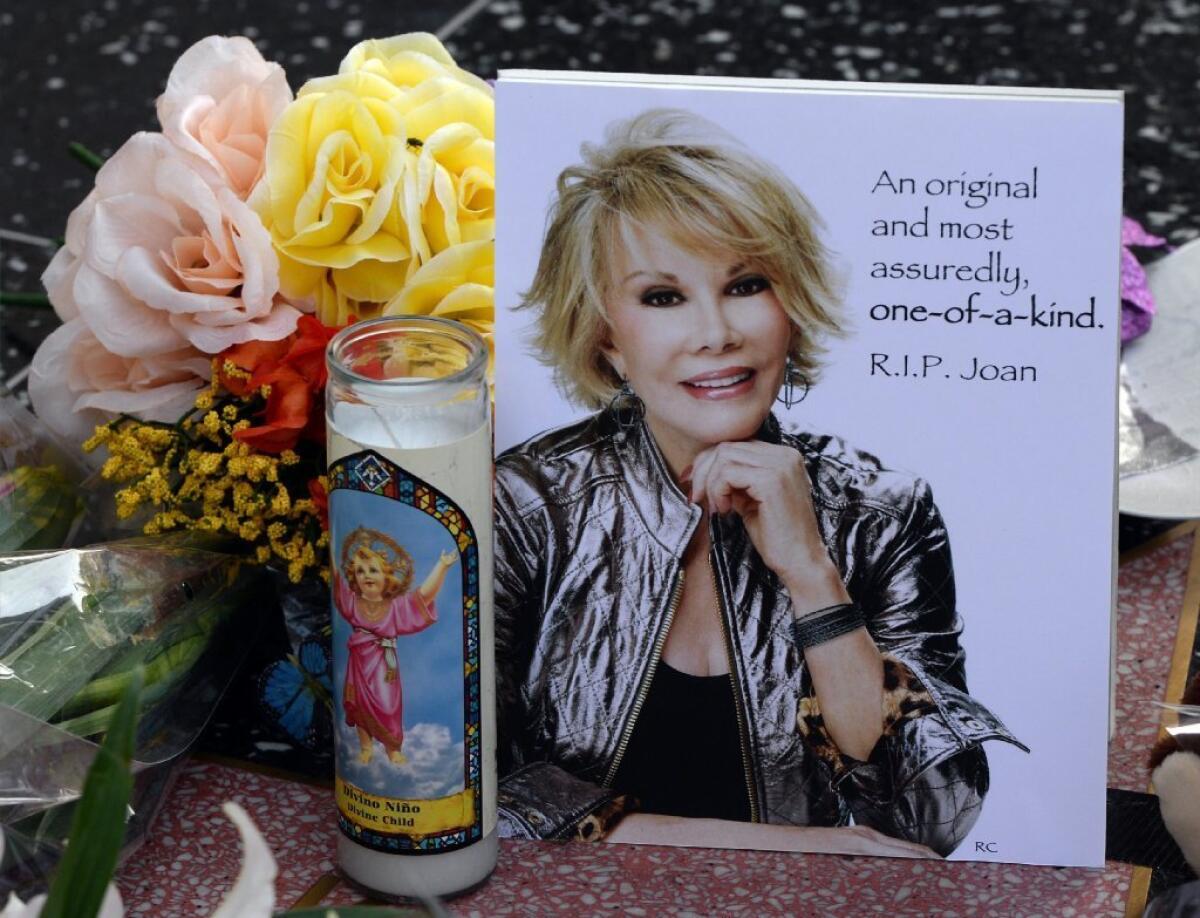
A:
(87, 71)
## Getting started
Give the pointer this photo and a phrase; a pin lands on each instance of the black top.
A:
(684, 757)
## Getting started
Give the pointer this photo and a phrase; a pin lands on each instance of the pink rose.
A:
(157, 259)
(162, 267)
(76, 383)
(220, 102)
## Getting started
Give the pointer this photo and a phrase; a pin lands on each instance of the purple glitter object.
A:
(1137, 303)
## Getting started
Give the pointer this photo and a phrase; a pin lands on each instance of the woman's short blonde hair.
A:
(675, 170)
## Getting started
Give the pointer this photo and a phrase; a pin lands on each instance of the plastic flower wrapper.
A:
(75, 626)
(40, 498)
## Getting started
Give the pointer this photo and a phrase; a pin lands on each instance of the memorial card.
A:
(806, 410)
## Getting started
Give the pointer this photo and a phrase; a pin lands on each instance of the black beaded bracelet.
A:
(826, 624)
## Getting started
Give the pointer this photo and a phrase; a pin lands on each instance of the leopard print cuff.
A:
(602, 820)
(904, 698)
(540, 800)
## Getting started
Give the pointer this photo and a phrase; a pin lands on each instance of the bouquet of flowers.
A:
(203, 275)
(198, 285)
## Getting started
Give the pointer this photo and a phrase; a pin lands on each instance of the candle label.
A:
(406, 588)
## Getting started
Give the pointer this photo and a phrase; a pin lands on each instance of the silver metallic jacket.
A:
(590, 538)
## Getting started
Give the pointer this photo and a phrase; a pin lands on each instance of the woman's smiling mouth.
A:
(721, 384)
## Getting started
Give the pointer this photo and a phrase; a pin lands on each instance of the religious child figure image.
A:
(371, 591)
(710, 631)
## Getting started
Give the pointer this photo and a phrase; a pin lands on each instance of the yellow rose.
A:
(335, 164)
(409, 60)
(461, 167)
(372, 172)
(457, 158)
(455, 284)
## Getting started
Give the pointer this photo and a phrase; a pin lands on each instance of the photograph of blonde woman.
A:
(712, 631)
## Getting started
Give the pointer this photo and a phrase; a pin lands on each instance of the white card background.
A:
(1022, 471)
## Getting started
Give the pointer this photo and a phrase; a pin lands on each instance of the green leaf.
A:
(98, 828)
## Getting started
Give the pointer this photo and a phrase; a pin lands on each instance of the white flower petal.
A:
(214, 67)
(253, 893)
(163, 403)
(188, 195)
(147, 279)
(78, 222)
(15, 908)
(260, 264)
(128, 220)
(75, 383)
(131, 168)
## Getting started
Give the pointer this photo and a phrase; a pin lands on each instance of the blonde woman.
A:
(709, 631)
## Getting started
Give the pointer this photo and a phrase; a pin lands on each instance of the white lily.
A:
(252, 895)
(111, 907)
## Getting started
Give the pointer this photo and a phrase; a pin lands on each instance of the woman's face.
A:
(701, 338)
(370, 576)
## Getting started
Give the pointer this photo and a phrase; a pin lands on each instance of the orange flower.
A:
(307, 353)
(289, 406)
(295, 370)
(248, 358)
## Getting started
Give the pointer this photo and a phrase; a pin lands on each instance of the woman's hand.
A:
(447, 558)
(651, 829)
(767, 485)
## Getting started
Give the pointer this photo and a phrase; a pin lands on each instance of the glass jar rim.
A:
(458, 332)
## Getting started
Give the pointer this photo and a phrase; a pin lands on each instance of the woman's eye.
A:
(749, 286)
(659, 298)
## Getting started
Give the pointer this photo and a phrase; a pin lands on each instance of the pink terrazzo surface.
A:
(195, 855)
(1149, 596)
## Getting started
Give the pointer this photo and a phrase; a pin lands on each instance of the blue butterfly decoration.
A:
(297, 693)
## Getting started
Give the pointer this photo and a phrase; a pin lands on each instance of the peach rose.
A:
(75, 382)
(161, 268)
(157, 259)
(220, 102)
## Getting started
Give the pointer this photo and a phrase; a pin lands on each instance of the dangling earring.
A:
(626, 407)
(795, 385)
